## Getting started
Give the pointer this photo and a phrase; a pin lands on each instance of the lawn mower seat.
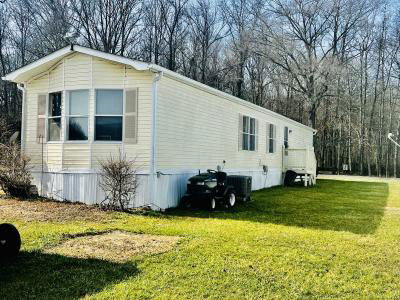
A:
(221, 178)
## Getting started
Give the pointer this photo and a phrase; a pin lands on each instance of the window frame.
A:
(272, 139)
(286, 132)
(67, 116)
(48, 117)
(248, 134)
(108, 115)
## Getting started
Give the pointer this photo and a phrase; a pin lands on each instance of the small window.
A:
(286, 137)
(109, 115)
(249, 134)
(271, 138)
(77, 118)
(54, 116)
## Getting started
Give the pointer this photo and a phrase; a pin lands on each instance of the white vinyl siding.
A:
(83, 72)
(195, 128)
(199, 130)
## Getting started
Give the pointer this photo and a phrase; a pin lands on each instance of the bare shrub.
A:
(5, 132)
(119, 182)
(15, 175)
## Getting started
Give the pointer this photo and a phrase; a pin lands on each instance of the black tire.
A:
(212, 204)
(230, 199)
(290, 177)
(10, 242)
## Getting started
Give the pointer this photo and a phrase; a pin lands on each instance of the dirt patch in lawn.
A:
(117, 246)
(392, 210)
(51, 211)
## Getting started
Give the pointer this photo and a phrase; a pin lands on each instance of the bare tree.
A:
(239, 22)
(152, 42)
(15, 175)
(173, 15)
(107, 25)
(206, 30)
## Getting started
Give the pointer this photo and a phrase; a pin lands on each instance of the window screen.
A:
(271, 138)
(78, 108)
(249, 134)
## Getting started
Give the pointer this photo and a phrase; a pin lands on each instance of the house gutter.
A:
(153, 162)
(21, 87)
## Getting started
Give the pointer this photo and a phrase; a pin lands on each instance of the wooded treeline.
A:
(331, 64)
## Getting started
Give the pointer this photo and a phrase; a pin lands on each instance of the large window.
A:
(54, 116)
(109, 115)
(77, 116)
(249, 138)
(271, 138)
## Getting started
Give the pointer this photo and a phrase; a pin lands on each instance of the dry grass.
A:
(49, 211)
(116, 246)
(392, 210)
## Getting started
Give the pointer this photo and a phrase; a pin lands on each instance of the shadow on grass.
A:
(356, 207)
(35, 275)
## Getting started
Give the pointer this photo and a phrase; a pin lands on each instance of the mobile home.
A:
(82, 105)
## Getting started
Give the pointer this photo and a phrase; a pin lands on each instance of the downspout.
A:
(21, 87)
(153, 162)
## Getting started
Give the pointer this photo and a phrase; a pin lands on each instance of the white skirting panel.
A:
(83, 187)
(171, 185)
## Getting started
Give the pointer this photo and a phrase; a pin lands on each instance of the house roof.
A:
(41, 65)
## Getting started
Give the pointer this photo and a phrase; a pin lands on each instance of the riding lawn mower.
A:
(216, 189)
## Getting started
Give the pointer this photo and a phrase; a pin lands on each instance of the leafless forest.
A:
(331, 64)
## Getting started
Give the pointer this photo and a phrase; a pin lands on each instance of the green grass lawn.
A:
(338, 239)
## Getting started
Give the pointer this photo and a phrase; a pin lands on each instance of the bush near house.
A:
(15, 175)
(119, 182)
(5, 132)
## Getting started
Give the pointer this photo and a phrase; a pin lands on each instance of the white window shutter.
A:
(240, 133)
(131, 116)
(41, 118)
